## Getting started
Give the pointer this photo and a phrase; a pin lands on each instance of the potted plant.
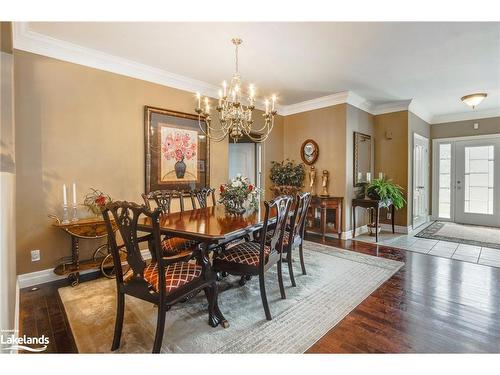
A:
(387, 192)
(287, 177)
(236, 193)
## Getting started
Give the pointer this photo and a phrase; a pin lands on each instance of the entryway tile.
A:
(490, 254)
(445, 252)
(468, 253)
(417, 249)
(489, 262)
(424, 244)
(446, 245)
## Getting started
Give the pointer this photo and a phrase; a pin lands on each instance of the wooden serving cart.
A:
(91, 229)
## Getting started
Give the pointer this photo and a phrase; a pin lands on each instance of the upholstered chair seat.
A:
(244, 253)
(177, 245)
(176, 275)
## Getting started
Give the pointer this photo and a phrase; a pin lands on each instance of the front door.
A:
(477, 182)
(420, 180)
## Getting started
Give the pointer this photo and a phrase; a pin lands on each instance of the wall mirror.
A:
(309, 152)
(362, 158)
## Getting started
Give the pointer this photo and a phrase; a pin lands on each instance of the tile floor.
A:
(444, 249)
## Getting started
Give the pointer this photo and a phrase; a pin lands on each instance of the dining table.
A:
(210, 225)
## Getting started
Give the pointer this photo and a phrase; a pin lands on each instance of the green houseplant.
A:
(287, 177)
(386, 190)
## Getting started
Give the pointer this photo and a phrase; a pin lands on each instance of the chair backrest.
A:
(297, 222)
(163, 199)
(272, 232)
(126, 216)
(202, 197)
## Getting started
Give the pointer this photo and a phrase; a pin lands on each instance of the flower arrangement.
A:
(178, 146)
(287, 176)
(95, 200)
(236, 192)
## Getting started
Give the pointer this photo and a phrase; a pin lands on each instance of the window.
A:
(445, 180)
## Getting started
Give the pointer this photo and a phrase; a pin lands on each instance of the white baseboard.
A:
(359, 230)
(46, 276)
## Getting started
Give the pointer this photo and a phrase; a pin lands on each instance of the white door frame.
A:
(426, 177)
(435, 171)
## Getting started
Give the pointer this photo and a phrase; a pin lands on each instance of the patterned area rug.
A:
(461, 233)
(336, 282)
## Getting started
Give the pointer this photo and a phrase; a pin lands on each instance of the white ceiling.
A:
(432, 63)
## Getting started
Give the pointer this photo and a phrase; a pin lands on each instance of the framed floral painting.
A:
(176, 151)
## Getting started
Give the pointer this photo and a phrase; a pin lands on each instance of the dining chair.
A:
(294, 233)
(252, 258)
(202, 197)
(165, 280)
(163, 199)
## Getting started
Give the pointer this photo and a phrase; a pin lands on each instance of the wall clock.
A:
(309, 152)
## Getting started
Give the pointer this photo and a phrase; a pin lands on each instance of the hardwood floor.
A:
(431, 305)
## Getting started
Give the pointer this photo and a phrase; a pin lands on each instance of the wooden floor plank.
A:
(431, 305)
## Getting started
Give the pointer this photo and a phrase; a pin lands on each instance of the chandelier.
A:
(234, 110)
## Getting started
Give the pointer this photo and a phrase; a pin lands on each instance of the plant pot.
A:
(180, 168)
(285, 190)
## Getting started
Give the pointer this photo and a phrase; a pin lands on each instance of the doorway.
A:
(468, 180)
(245, 157)
(420, 180)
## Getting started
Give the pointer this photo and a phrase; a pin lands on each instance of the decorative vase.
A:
(234, 207)
(180, 168)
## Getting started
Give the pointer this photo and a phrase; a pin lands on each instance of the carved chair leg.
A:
(264, 297)
(302, 264)
(290, 267)
(280, 279)
(160, 328)
(120, 309)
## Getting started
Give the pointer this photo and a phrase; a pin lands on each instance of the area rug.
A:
(336, 282)
(461, 233)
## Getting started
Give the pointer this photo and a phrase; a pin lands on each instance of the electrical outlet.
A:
(388, 216)
(35, 255)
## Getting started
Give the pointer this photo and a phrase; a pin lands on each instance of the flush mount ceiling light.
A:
(473, 100)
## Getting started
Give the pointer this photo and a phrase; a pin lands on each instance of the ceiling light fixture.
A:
(473, 100)
(235, 115)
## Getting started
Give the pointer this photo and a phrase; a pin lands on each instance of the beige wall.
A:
(466, 128)
(326, 126)
(7, 183)
(76, 123)
(391, 155)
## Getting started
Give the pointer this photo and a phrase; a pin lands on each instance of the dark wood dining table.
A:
(210, 225)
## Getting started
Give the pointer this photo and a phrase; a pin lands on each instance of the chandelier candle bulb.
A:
(267, 106)
(224, 85)
(74, 194)
(198, 96)
(274, 101)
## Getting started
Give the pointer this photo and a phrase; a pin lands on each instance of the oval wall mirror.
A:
(309, 152)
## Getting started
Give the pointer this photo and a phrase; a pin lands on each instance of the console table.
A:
(325, 215)
(374, 206)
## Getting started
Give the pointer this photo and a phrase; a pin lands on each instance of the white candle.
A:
(198, 96)
(74, 194)
(267, 106)
(368, 177)
(274, 101)
(224, 85)
(65, 196)
(220, 98)
(380, 175)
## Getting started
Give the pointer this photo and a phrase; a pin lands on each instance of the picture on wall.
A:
(176, 151)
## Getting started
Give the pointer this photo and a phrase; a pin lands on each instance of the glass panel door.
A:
(477, 183)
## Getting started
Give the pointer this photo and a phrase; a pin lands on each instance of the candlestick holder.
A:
(74, 216)
(65, 214)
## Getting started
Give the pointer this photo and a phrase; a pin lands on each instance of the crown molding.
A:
(309, 105)
(466, 116)
(30, 41)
